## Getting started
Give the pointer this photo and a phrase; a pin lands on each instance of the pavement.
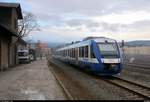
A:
(32, 81)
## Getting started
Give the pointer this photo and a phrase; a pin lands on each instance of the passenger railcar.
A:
(100, 55)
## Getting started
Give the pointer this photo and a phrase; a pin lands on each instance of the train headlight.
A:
(113, 66)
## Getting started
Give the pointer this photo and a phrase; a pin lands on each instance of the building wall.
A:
(137, 50)
(14, 20)
(8, 48)
(8, 18)
(4, 41)
(12, 57)
(12, 49)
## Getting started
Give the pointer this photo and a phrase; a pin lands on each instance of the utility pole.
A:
(122, 45)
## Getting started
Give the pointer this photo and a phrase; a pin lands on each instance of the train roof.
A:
(87, 42)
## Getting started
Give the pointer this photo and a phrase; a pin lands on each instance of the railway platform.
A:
(32, 81)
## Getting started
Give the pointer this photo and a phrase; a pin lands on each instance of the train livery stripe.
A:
(115, 60)
(104, 60)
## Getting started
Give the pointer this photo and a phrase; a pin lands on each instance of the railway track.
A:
(66, 92)
(139, 91)
(138, 66)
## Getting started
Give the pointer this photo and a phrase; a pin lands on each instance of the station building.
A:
(10, 13)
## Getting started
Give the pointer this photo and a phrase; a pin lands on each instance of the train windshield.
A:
(108, 50)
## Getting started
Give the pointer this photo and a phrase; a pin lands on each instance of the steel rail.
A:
(138, 89)
(67, 93)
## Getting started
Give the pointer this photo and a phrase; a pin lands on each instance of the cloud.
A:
(87, 7)
(65, 20)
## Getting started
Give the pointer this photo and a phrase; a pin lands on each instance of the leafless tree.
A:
(27, 24)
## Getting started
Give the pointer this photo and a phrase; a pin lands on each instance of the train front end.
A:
(109, 56)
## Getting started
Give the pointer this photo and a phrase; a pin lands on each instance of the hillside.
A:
(138, 43)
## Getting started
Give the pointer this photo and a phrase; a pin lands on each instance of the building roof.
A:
(10, 33)
(13, 5)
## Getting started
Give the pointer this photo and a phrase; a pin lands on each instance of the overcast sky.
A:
(71, 20)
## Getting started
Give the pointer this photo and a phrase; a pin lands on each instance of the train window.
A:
(82, 52)
(70, 52)
(86, 51)
(92, 54)
(67, 53)
(64, 53)
(73, 52)
(60, 53)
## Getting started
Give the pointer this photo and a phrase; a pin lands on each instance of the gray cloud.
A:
(74, 13)
(78, 22)
(75, 22)
(87, 7)
(141, 26)
(54, 12)
(95, 26)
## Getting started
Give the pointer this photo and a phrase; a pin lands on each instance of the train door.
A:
(76, 55)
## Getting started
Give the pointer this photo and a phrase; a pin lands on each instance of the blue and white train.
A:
(98, 54)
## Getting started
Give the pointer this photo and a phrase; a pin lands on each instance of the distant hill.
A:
(138, 43)
(130, 43)
(54, 45)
